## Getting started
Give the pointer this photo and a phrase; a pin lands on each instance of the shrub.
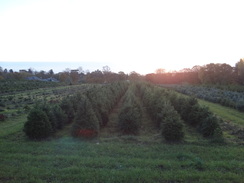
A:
(38, 125)
(49, 111)
(130, 115)
(85, 123)
(172, 125)
(60, 117)
(129, 119)
(68, 107)
(172, 131)
(209, 126)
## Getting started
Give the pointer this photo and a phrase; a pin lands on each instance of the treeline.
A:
(69, 76)
(222, 74)
(208, 74)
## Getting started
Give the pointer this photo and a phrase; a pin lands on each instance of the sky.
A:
(126, 35)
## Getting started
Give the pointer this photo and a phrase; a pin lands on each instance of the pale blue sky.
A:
(57, 67)
(128, 35)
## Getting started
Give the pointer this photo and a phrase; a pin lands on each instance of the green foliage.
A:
(56, 118)
(92, 109)
(172, 130)
(215, 94)
(162, 112)
(85, 118)
(209, 127)
(197, 116)
(68, 107)
(10, 86)
(60, 117)
(160, 109)
(130, 115)
(216, 74)
(38, 125)
(129, 119)
(69, 160)
(103, 98)
(50, 114)
(189, 110)
(240, 71)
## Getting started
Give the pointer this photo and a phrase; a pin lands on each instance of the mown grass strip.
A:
(12, 125)
(225, 113)
(72, 160)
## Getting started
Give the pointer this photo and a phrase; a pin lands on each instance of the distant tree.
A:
(122, 75)
(95, 77)
(80, 70)
(63, 77)
(108, 75)
(240, 71)
(67, 70)
(31, 71)
(216, 74)
(160, 71)
(106, 69)
(185, 70)
(134, 76)
(196, 68)
(74, 75)
(50, 72)
(1, 73)
(41, 74)
(18, 76)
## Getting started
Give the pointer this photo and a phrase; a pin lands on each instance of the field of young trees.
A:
(223, 96)
(116, 132)
(89, 112)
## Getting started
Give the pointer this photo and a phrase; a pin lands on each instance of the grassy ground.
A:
(12, 126)
(113, 157)
(71, 160)
(226, 113)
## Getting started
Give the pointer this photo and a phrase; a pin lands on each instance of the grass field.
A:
(113, 157)
(226, 113)
(119, 160)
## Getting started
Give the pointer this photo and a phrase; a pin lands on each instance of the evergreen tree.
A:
(38, 125)
(85, 123)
